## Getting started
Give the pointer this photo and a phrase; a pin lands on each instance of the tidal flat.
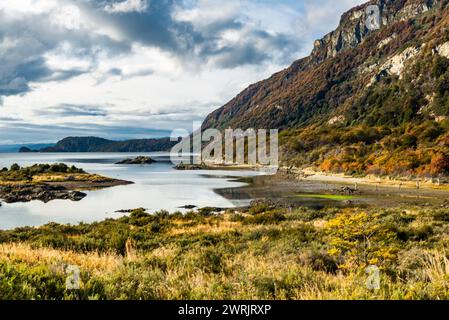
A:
(319, 193)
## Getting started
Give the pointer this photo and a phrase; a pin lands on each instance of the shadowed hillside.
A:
(93, 144)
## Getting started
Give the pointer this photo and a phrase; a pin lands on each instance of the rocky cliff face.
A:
(341, 67)
(353, 28)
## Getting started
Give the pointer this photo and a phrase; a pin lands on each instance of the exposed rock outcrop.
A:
(137, 160)
(443, 50)
(44, 193)
(353, 29)
(187, 167)
(395, 65)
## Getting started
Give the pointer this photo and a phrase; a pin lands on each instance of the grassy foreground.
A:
(264, 253)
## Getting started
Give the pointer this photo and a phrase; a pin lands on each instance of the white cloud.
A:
(68, 17)
(127, 6)
(64, 57)
(28, 6)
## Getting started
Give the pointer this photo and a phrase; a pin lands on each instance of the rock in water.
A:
(77, 196)
(188, 207)
(190, 167)
(138, 160)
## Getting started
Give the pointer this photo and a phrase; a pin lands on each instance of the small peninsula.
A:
(47, 182)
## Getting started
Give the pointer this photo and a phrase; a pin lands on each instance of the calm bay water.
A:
(157, 186)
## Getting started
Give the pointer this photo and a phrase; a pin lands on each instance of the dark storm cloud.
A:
(13, 86)
(16, 81)
(153, 27)
(258, 47)
(157, 27)
(25, 40)
(33, 36)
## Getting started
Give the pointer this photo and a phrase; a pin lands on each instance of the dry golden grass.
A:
(94, 262)
(215, 228)
(436, 267)
(63, 177)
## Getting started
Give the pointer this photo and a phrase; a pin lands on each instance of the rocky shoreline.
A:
(45, 183)
(44, 193)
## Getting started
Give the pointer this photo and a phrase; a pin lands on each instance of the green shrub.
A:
(138, 213)
(320, 261)
(211, 261)
(259, 208)
(25, 282)
(272, 217)
(441, 215)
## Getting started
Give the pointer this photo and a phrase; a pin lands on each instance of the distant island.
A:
(137, 160)
(26, 147)
(94, 144)
(26, 150)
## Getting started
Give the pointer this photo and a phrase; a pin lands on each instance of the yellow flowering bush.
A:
(360, 240)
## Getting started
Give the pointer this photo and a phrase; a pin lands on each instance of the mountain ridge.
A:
(244, 111)
(364, 101)
(95, 144)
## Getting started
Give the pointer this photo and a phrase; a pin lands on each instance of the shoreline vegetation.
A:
(262, 252)
(315, 174)
(46, 182)
(312, 174)
(213, 166)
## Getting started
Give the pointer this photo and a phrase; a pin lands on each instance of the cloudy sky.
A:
(139, 68)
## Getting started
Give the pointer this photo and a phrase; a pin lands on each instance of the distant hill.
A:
(17, 147)
(94, 144)
(26, 150)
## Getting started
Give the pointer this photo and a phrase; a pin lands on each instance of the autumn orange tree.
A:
(360, 240)
(439, 164)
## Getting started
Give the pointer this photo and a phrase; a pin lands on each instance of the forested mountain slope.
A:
(364, 101)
